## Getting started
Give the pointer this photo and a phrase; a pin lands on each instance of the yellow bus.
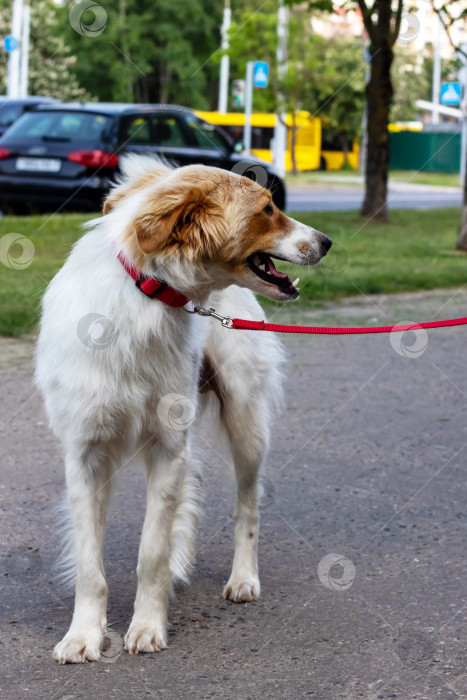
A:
(333, 157)
(313, 150)
(405, 126)
(308, 138)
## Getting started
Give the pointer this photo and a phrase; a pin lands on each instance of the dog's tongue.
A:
(272, 270)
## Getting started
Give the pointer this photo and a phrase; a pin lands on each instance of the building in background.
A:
(424, 28)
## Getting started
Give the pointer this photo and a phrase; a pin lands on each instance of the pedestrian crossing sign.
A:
(260, 74)
(450, 93)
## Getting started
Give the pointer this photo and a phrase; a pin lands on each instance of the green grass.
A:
(21, 290)
(347, 177)
(415, 251)
(416, 178)
(323, 177)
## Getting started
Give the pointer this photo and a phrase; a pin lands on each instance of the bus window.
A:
(261, 137)
(330, 142)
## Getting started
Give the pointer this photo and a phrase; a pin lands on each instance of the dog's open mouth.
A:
(262, 265)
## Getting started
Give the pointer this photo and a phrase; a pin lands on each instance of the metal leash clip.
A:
(201, 311)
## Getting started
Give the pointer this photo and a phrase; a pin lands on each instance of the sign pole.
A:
(463, 151)
(463, 164)
(24, 49)
(436, 73)
(225, 63)
(280, 129)
(14, 58)
(248, 107)
(364, 146)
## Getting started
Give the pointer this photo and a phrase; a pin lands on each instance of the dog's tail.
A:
(185, 525)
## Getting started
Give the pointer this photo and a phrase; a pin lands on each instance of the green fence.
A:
(425, 151)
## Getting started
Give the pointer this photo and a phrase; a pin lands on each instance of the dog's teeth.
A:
(296, 282)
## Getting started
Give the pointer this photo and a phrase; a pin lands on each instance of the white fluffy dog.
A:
(209, 235)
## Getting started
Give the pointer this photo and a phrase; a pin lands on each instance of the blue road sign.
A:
(450, 94)
(260, 74)
(10, 43)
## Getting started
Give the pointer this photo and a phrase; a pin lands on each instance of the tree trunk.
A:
(462, 235)
(345, 149)
(379, 96)
(293, 144)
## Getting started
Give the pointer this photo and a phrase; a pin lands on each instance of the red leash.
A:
(242, 324)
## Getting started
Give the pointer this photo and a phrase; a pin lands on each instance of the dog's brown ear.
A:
(181, 218)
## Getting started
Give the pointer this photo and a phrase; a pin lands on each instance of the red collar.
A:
(154, 288)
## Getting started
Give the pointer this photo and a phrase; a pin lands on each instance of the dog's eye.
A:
(268, 210)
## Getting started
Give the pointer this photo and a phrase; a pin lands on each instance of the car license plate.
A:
(39, 165)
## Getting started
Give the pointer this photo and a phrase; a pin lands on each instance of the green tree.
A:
(253, 36)
(52, 66)
(150, 51)
(413, 78)
(342, 102)
(313, 80)
(412, 83)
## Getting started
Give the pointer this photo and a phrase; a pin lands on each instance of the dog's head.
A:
(218, 223)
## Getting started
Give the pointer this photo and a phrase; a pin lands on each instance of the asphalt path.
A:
(367, 463)
(335, 197)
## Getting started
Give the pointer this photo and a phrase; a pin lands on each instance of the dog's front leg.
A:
(88, 482)
(165, 471)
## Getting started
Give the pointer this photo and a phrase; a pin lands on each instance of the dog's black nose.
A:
(326, 242)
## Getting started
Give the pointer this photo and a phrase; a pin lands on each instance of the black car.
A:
(66, 156)
(11, 109)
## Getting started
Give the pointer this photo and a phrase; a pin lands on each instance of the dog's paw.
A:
(77, 648)
(145, 637)
(242, 590)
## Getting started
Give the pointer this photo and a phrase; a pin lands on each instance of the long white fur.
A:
(102, 401)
